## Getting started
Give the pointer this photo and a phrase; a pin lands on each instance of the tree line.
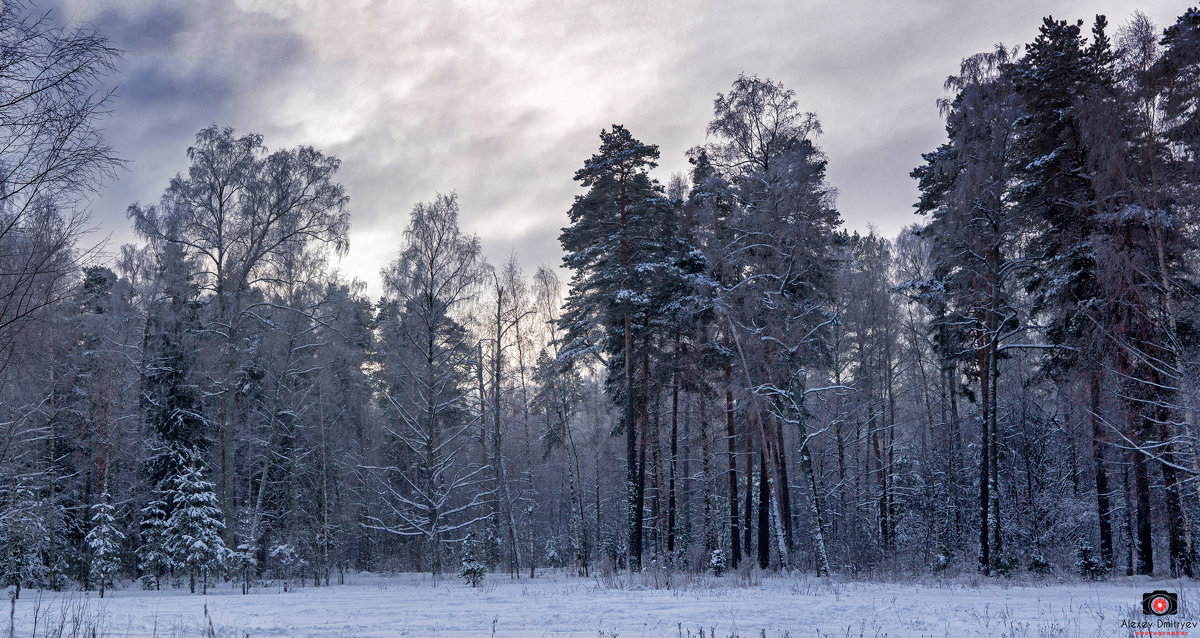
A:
(729, 380)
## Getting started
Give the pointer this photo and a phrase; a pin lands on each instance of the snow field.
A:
(559, 605)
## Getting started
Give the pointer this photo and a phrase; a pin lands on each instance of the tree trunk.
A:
(658, 510)
(639, 497)
(957, 457)
(576, 505)
(1128, 518)
(501, 477)
(631, 444)
(575, 476)
(228, 475)
(993, 450)
(764, 520)
(816, 527)
(873, 434)
(1177, 546)
(643, 441)
(491, 507)
(631, 465)
(674, 455)
(785, 490)
(748, 522)
(731, 438)
(1103, 509)
(985, 554)
(889, 439)
(1181, 560)
(1141, 482)
(706, 465)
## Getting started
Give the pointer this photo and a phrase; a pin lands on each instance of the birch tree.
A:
(239, 208)
(432, 492)
(780, 235)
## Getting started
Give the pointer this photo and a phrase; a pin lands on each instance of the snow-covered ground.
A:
(556, 604)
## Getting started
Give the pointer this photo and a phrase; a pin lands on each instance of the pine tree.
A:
(1107, 250)
(1176, 70)
(622, 246)
(104, 544)
(1164, 149)
(975, 234)
(194, 528)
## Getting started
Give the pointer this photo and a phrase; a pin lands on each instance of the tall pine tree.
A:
(620, 246)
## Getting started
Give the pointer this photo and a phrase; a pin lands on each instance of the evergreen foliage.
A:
(193, 529)
(104, 544)
(470, 554)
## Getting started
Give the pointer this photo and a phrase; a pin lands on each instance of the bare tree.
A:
(236, 212)
(52, 155)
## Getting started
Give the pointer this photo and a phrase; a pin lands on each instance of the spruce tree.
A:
(26, 537)
(154, 554)
(169, 400)
(1055, 79)
(473, 569)
(194, 528)
(1167, 175)
(104, 544)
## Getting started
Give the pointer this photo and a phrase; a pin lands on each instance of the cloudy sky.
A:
(502, 101)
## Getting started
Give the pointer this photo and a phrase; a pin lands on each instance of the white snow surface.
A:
(556, 604)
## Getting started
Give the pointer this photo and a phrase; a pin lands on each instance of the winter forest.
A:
(718, 378)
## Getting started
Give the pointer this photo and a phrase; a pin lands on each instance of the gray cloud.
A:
(503, 101)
